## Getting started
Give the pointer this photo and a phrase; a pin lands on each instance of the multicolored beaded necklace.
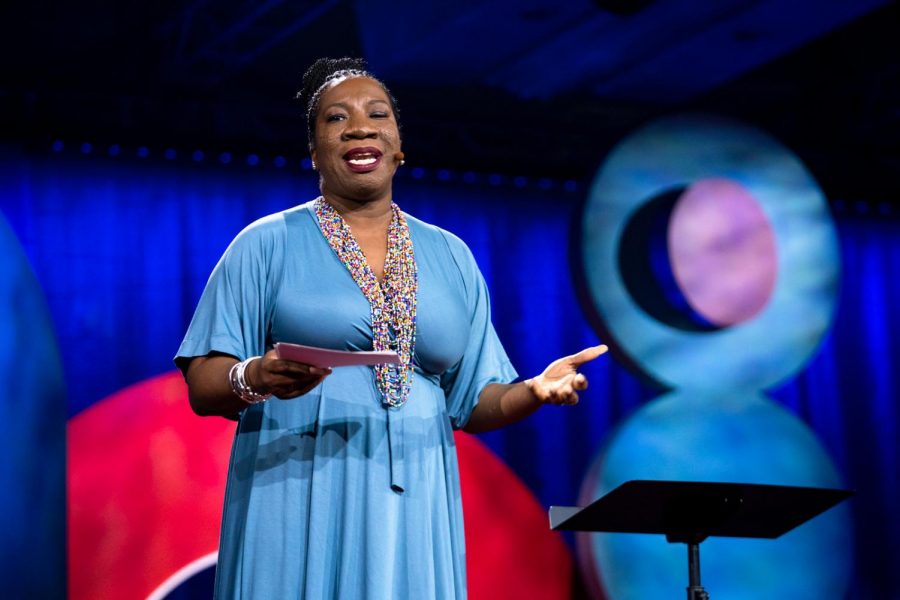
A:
(392, 300)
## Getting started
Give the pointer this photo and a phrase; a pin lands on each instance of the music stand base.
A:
(697, 593)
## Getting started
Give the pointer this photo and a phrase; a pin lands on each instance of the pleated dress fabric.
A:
(333, 495)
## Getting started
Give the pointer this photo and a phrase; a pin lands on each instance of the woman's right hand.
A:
(283, 378)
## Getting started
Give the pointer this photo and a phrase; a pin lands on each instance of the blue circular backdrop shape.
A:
(717, 425)
(32, 434)
(689, 436)
(755, 354)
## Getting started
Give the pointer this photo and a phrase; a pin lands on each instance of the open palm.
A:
(560, 382)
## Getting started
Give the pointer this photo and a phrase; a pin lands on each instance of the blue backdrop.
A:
(122, 248)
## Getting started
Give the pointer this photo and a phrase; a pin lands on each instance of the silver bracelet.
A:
(240, 386)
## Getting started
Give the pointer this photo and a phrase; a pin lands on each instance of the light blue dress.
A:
(331, 495)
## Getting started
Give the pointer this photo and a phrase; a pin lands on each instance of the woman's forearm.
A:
(211, 393)
(501, 404)
(209, 389)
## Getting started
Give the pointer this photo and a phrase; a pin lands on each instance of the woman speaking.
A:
(344, 484)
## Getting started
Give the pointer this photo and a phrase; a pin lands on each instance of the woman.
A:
(344, 483)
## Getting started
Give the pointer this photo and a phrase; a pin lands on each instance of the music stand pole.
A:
(695, 591)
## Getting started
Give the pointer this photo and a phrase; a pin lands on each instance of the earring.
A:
(402, 162)
(314, 168)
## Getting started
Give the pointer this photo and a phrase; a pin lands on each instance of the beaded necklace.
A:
(392, 301)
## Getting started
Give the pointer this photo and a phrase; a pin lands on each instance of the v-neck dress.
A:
(332, 495)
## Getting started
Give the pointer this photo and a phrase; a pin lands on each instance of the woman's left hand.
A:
(560, 382)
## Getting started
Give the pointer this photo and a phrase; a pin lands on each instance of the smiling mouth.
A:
(363, 159)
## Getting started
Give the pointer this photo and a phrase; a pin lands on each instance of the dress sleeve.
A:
(484, 360)
(235, 309)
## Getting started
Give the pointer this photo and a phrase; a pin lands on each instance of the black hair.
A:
(318, 75)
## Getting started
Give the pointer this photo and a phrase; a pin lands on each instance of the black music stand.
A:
(689, 512)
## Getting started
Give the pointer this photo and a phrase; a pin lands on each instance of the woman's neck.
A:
(367, 214)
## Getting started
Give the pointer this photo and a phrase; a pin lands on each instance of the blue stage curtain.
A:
(123, 249)
(850, 395)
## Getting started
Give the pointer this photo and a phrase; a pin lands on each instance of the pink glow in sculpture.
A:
(722, 251)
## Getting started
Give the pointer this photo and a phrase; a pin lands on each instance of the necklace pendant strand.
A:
(392, 301)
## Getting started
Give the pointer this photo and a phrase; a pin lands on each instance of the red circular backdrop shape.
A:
(147, 478)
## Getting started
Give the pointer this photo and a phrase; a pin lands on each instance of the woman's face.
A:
(356, 140)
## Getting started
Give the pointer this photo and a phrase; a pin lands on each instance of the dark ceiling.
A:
(537, 87)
